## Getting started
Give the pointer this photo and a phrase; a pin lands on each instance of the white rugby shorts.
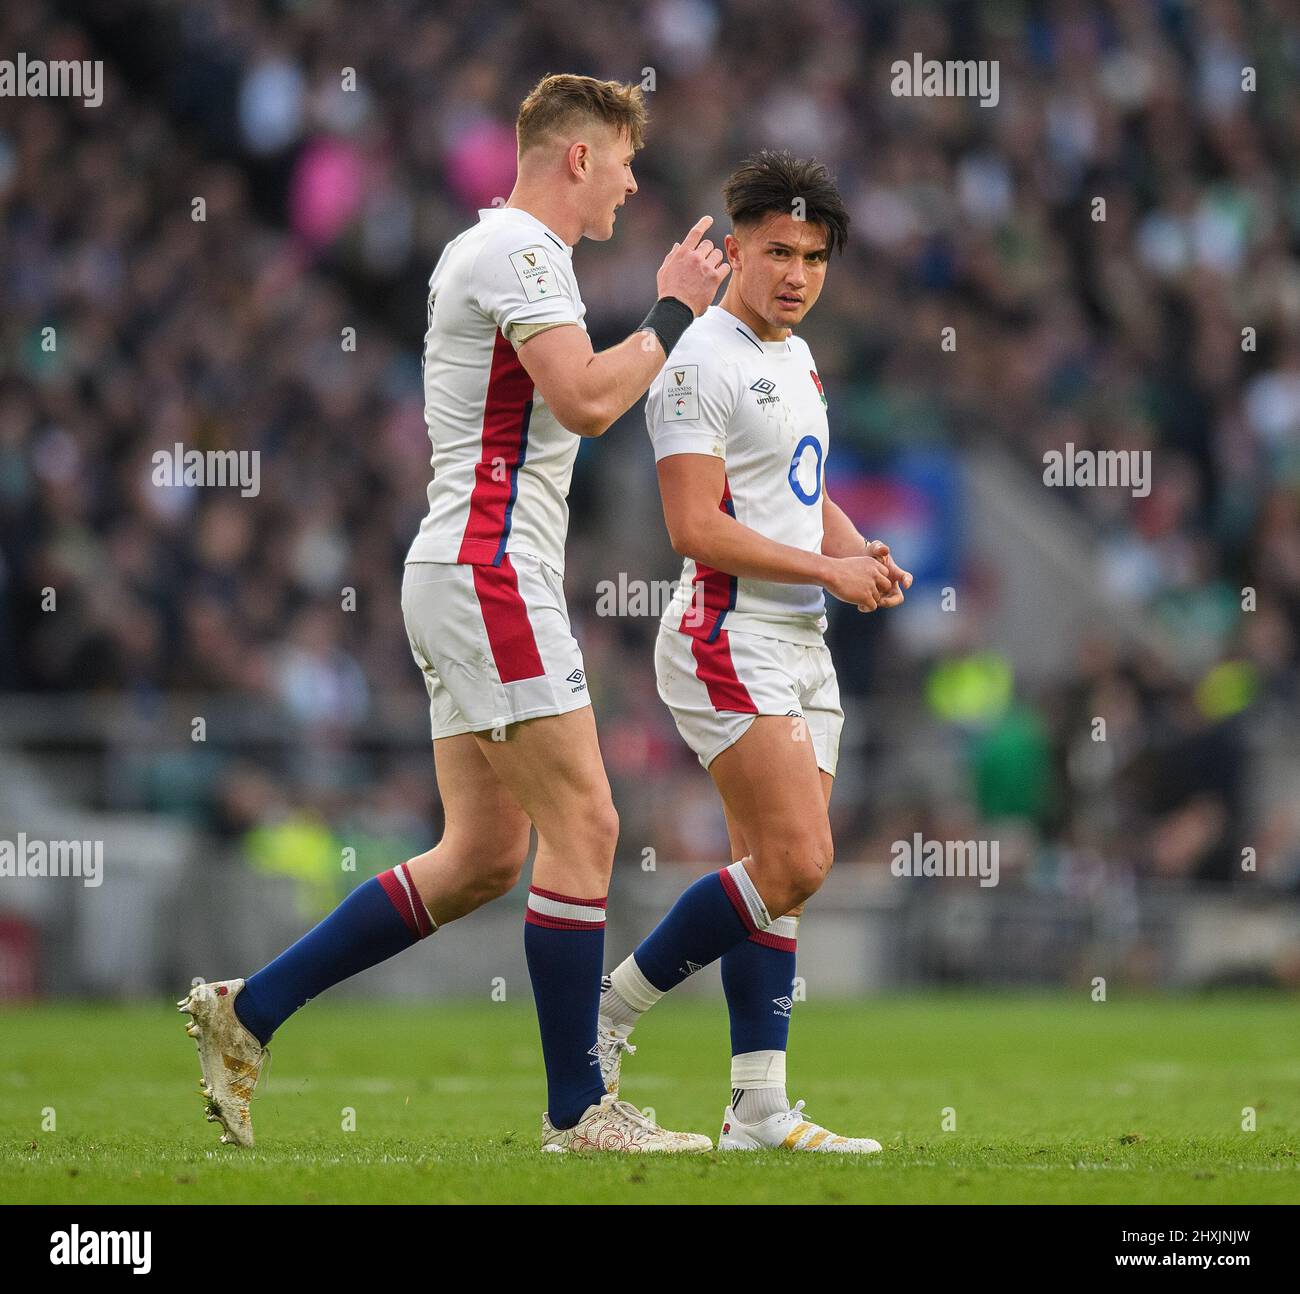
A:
(716, 684)
(493, 642)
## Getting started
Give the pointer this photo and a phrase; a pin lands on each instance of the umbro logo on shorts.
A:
(784, 1003)
(578, 679)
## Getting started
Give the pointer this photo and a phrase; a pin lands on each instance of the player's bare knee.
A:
(793, 868)
(502, 866)
(498, 880)
(807, 875)
(595, 831)
(488, 863)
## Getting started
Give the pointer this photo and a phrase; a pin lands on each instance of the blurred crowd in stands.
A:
(336, 147)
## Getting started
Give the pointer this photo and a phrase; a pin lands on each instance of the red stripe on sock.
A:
(769, 940)
(541, 918)
(398, 898)
(737, 900)
(424, 922)
(560, 923)
(566, 898)
(409, 906)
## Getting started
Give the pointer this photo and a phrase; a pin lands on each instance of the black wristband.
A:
(668, 319)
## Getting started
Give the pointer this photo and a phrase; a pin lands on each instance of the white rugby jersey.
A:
(501, 461)
(757, 405)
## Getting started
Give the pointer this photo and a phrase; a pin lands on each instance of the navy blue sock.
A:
(375, 922)
(714, 914)
(564, 942)
(758, 979)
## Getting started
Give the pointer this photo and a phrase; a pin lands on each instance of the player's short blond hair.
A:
(557, 104)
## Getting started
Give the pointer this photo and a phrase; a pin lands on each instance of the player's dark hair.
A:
(773, 183)
(558, 103)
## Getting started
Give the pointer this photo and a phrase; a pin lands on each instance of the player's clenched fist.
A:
(693, 269)
(863, 581)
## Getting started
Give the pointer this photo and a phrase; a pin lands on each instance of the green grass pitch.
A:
(1057, 1100)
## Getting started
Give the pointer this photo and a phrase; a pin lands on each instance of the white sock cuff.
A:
(758, 1069)
(633, 987)
(786, 927)
(749, 895)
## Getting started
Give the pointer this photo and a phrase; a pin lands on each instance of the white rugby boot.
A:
(229, 1056)
(611, 1046)
(788, 1130)
(619, 1126)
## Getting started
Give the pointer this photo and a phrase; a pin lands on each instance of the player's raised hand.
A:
(693, 269)
(863, 581)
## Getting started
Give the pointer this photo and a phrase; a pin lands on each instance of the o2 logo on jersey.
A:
(800, 470)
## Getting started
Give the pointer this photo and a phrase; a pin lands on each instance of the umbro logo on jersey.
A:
(578, 679)
(763, 389)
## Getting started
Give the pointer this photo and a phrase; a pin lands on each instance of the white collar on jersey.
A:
(770, 347)
(532, 220)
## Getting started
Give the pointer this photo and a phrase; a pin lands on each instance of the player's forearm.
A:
(613, 380)
(840, 537)
(722, 542)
